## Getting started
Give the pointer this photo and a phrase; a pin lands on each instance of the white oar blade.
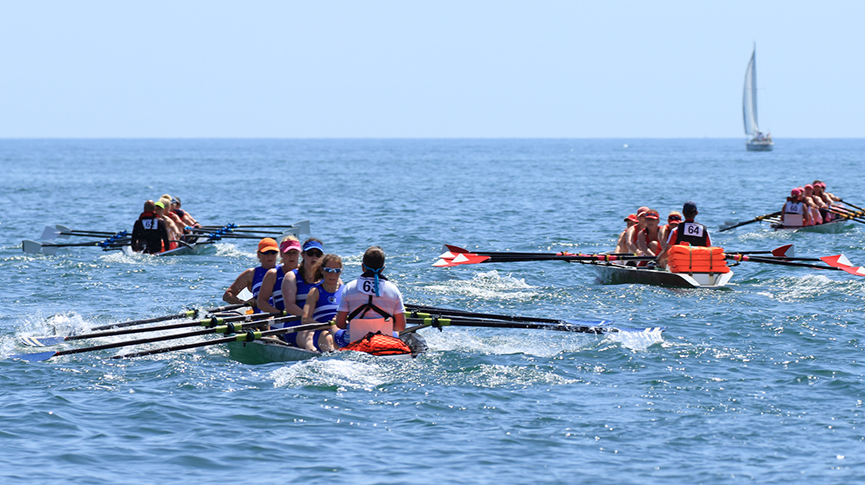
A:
(41, 356)
(49, 250)
(31, 247)
(41, 341)
(64, 231)
(301, 227)
(245, 295)
(49, 234)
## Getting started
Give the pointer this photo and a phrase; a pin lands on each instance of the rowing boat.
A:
(618, 273)
(274, 350)
(832, 227)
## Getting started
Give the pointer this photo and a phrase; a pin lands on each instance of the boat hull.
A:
(833, 227)
(272, 350)
(619, 274)
(759, 146)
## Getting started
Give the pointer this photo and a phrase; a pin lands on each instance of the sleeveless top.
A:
(276, 297)
(793, 207)
(257, 278)
(692, 233)
(325, 307)
(302, 288)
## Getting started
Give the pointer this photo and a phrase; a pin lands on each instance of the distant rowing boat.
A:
(617, 273)
(833, 227)
(273, 350)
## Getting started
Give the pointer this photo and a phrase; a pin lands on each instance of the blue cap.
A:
(689, 207)
(313, 245)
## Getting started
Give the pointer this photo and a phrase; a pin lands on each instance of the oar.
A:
(851, 205)
(229, 328)
(756, 219)
(422, 311)
(563, 327)
(207, 323)
(186, 314)
(59, 231)
(837, 262)
(302, 227)
(33, 247)
(249, 336)
(455, 255)
(846, 215)
(785, 251)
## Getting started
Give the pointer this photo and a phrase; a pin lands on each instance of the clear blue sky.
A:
(292, 69)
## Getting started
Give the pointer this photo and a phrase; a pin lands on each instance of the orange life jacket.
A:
(684, 258)
(379, 344)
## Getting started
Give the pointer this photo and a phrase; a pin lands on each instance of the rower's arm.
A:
(309, 307)
(341, 318)
(289, 294)
(242, 281)
(266, 291)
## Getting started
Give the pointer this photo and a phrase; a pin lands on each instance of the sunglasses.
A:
(270, 253)
(332, 270)
(315, 253)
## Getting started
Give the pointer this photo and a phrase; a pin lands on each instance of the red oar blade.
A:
(461, 258)
(785, 251)
(841, 262)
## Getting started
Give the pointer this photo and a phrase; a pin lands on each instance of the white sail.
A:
(749, 97)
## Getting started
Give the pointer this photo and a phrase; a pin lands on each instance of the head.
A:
(159, 208)
(689, 210)
(328, 268)
(312, 250)
(149, 206)
(652, 219)
(175, 201)
(267, 252)
(631, 220)
(809, 189)
(373, 259)
(796, 193)
(290, 250)
(674, 218)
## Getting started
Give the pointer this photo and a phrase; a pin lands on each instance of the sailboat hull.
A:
(759, 146)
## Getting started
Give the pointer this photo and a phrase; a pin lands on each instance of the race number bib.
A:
(367, 285)
(150, 224)
(692, 229)
(794, 208)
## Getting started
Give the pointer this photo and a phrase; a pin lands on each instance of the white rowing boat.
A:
(274, 350)
(832, 227)
(618, 273)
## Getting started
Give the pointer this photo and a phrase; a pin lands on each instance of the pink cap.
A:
(809, 187)
(796, 192)
(290, 245)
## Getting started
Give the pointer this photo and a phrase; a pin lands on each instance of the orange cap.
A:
(267, 244)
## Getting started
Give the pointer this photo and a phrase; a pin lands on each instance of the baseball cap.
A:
(313, 245)
(289, 245)
(689, 207)
(652, 214)
(267, 244)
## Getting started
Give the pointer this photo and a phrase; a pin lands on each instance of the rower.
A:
(689, 231)
(173, 231)
(673, 220)
(149, 234)
(821, 200)
(251, 278)
(297, 283)
(622, 243)
(184, 216)
(370, 303)
(322, 303)
(648, 242)
(634, 230)
(793, 213)
(270, 297)
(811, 205)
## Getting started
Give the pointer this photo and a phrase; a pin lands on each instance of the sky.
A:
(443, 69)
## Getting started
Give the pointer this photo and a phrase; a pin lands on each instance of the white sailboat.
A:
(757, 140)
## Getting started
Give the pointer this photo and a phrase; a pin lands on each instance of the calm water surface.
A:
(761, 382)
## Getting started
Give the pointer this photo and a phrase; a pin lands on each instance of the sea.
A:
(760, 382)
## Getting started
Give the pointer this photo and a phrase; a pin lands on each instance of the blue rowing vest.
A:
(302, 288)
(276, 297)
(325, 307)
(257, 278)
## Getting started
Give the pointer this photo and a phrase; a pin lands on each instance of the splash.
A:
(636, 341)
(488, 285)
(330, 371)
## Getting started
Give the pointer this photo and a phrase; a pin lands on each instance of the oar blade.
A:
(841, 262)
(647, 330)
(38, 357)
(49, 234)
(64, 231)
(588, 323)
(785, 251)
(41, 341)
(50, 250)
(301, 227)
(31, 247)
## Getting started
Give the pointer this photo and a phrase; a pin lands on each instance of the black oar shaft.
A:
(420, 311)
(756, 219)
(186, 314)
(247, 337)
(207, 322)
(456, 322)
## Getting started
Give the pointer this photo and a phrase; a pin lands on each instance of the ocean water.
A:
(759, 382)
